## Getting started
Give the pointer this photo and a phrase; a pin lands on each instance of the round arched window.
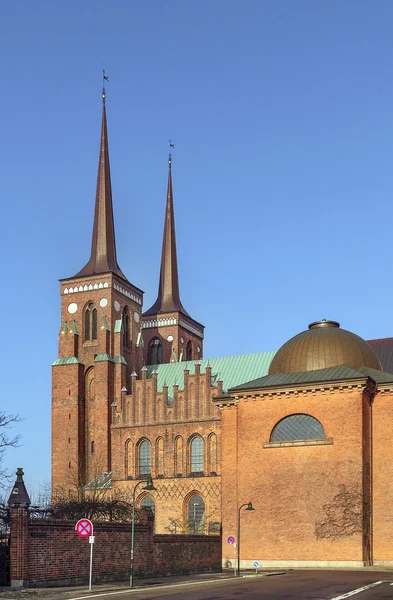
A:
(196, 514)
(148, 502)
(297, 427)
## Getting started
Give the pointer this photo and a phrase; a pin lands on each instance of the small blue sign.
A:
(256, 564)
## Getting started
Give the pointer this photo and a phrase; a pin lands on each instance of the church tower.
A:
(169, 333)
(98, 351)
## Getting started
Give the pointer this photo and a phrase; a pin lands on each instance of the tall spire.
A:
(103, 246)
(168, 299)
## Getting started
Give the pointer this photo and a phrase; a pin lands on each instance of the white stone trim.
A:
(128, 294)
(86, 287)
(158, 323)
(191, 328)
(100, 286)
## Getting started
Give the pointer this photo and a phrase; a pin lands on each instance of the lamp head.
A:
(249, 506)
(149, 487)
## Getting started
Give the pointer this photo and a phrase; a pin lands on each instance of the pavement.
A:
(365, 584)
(55, 593)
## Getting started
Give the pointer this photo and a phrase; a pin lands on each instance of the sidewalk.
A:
(57, 593)
(80, 590)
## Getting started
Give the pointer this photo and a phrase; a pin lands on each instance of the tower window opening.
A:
(92, 447)
(126, 327)
(87, 325)
(189, 350)
(94, 325)
(90, 323)
(155, 352)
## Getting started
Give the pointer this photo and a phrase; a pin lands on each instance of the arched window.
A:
(126, 327)
(149, 503)
(144, 458)
(297, 427)
(94, 324)
(196, 514)
(189, 351)
(155, 352)
(87, 325)
(196, 455)
(90, 323)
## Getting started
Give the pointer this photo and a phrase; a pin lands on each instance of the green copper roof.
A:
(340, 373)
(233, 370)
(67, 360)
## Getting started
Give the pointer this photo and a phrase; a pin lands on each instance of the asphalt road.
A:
(294, 585)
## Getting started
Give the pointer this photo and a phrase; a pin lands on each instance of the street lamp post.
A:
(149, 487)
(249, 507)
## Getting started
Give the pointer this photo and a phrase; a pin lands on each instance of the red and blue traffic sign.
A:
(231, 539)
(84, 528)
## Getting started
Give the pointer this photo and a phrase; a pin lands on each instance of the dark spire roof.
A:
(168, 290)
(19, 495)
(103, 246)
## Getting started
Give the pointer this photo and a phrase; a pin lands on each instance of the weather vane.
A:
(104, 78)
(171, 145)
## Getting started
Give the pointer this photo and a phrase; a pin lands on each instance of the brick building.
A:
(303, 434)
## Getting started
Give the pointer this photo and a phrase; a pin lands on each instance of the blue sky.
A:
(282, 115)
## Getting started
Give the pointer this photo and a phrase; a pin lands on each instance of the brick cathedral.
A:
(304, 434)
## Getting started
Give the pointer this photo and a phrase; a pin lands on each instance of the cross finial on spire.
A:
(171, 145)
(104, 78)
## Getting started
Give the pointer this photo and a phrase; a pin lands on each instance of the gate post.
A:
(19, 503)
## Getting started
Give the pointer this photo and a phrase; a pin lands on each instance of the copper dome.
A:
(324, 345)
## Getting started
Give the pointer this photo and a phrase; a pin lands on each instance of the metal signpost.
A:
(231, 540)
(84, 528)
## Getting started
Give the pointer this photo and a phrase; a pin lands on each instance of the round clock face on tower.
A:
(170, 338)
(182, 340)
(103, 302)
(136, 317)
(72, 308)
(116, 305)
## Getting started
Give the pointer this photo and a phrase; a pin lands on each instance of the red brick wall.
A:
(289, 486)
(47, 552)
(186, 553)
(382, 478)
(57, 554)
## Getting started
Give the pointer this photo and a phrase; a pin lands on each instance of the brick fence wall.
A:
(45, 552)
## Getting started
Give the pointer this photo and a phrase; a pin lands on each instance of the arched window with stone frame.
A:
(195, 513)
(196, 454)
(144, 457)
(146, 501)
